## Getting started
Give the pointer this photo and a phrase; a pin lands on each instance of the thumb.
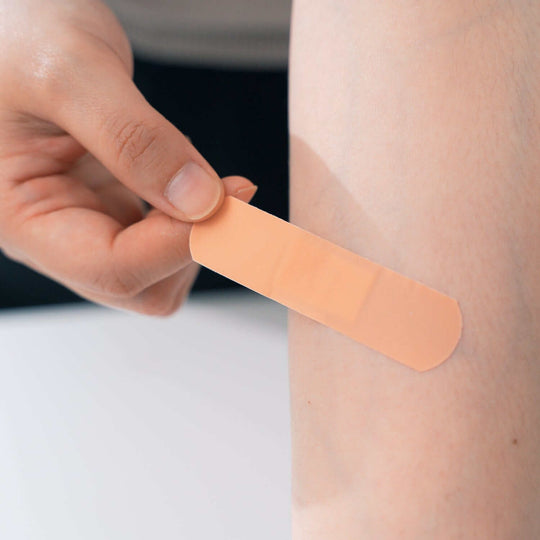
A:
(102, 108)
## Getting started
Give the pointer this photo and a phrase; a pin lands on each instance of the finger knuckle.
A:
(53, 70)
(136, 144)
(11, 254)
(122, 285)
(160, 307)
(165, 302)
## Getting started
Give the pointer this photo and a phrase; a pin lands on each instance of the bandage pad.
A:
(390, 313)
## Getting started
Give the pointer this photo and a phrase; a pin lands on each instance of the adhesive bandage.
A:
(388, 312)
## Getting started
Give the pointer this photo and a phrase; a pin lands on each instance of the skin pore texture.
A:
(415, 143)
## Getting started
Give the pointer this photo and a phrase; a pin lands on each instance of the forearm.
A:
(415, 143)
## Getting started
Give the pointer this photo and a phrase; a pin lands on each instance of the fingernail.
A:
(246, 194)
(194, 192)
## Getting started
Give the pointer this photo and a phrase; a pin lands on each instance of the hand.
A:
(80, 147)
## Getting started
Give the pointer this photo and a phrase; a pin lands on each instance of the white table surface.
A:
(118, 426)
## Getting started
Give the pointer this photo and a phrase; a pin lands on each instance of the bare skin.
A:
(80, 148)
(415, 142)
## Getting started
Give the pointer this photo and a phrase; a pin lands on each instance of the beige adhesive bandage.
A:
(382, 309)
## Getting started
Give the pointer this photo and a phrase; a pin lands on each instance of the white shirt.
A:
(243, 33)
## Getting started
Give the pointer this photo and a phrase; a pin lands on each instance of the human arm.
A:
(414, 142)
